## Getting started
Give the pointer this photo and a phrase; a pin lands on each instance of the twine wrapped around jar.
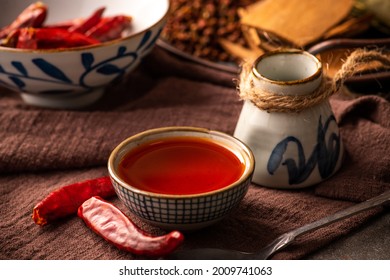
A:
(272, 102)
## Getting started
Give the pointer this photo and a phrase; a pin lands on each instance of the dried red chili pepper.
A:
(52, 38)
(60, 38)
(66, 200)
(88, 23)
(11, 40)
(33, 16)
(109, 28)
(114, 226)
(26, 39)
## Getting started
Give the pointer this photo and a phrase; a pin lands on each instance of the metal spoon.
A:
(283, 240)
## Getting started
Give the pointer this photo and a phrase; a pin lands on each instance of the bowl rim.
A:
(248, 172)
(103, 44)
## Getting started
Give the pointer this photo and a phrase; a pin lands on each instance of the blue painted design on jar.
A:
(325, 155)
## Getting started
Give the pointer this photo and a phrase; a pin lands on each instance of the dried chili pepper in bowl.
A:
(50, 38)
(51, 64)
(33, 16)
(33, 33)
(66, 200)
(86, 24)
(113, 225)
(109, 28)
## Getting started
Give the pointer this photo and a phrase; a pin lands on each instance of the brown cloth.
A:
(42, 150)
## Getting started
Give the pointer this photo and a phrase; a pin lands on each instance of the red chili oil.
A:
(180, 166)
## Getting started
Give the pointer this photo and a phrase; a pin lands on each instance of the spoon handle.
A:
(288, 237)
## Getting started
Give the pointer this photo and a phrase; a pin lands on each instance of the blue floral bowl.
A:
(76, 77)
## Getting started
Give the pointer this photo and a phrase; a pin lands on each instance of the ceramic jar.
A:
(292, 149)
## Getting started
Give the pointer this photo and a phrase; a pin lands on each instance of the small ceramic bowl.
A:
(182, 211)
(76, 77)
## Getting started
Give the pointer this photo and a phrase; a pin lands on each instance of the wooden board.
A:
(299, 21)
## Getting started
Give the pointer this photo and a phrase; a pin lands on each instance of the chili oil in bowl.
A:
(68, 76)
(181, 178)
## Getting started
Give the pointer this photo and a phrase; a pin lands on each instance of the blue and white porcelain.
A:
(76, 77)
(292, 150)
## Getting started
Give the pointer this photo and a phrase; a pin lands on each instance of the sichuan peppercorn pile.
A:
(196, 26)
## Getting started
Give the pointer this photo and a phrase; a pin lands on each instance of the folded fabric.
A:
(41, 150)
(365, 131)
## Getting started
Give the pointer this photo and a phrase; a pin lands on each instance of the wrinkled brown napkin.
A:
(42, 150)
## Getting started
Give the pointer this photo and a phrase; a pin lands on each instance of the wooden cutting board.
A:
(299, 21)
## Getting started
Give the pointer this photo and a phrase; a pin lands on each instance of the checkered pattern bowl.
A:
(182, 212)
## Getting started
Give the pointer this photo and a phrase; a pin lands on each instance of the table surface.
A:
(370, 242)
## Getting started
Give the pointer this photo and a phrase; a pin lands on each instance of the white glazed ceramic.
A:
(76, 77)
(182, 212)
(292, 150)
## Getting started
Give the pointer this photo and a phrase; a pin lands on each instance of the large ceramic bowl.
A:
(182, 211)
(75, 77)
